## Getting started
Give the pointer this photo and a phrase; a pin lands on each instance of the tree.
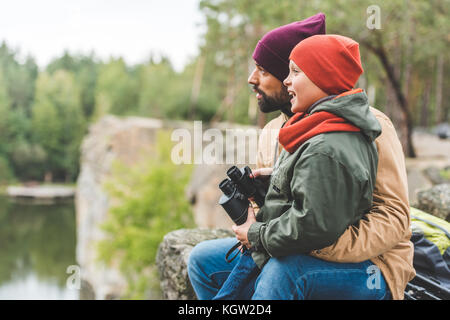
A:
(116, 90)
(4, 114)
(19, 79)
(165, 93)
(412, 33)
(58, 122)
(17, 82)
(85, 70)
(5, 168)
(13, 129)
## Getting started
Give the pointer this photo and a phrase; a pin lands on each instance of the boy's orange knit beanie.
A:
(331, 62)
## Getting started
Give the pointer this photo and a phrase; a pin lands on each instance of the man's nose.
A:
(253, 79)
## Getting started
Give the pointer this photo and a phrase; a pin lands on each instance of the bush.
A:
(29, 160)
(150, 202)
(6, 173)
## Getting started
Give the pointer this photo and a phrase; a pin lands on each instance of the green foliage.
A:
(445, 173)
(160, 91)
(29, 160)
(13, 129)
(414, 36)
(58, 122)
(116, 90)
(6, 173)
(4, 117)
(19, 79)
(150, 202)
(85, 70)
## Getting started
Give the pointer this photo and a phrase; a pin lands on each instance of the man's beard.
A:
(279, 102)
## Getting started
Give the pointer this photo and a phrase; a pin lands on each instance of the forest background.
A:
(45, 113)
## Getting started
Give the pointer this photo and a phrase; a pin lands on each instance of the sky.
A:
(132, 29)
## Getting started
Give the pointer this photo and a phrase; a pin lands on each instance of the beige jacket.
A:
(384, 237)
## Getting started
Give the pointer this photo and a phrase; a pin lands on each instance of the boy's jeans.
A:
(291, 277)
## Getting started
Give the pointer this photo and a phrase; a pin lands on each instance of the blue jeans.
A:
(294, 277)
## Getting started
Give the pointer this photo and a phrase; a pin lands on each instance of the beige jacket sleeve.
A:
(268, 141)
(388, 222)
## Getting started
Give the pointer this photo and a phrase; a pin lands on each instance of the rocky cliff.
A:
(128, 140)
(172, 259)
(109, 139)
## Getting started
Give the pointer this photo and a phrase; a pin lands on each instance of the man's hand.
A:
(242, 230)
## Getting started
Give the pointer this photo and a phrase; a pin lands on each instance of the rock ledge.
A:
(172, 258)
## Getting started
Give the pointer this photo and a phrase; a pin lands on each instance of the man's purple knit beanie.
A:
(272, 51)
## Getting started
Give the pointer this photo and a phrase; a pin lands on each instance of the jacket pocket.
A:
(280, 182)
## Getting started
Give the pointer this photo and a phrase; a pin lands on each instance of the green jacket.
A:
(323, 187)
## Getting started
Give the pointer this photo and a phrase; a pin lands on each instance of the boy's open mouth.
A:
(292, 95)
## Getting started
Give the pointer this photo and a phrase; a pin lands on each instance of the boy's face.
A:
(303, 91)
(270, 92)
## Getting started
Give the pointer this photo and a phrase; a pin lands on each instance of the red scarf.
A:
(302, 127)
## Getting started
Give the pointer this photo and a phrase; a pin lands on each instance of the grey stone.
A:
(172, 258)
(416, 181)
(435, 201)
(434, 175)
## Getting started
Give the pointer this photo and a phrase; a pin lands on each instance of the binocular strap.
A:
(227, 256)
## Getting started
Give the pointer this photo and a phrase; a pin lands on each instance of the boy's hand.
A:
(242, 230)
(262, 173)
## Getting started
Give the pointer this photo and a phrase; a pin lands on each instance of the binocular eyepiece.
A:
(237, 188)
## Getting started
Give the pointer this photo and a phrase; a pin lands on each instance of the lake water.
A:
(37, 246)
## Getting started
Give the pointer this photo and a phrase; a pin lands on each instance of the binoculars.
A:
(237, 188)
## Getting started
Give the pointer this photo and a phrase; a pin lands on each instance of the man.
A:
(382, 237)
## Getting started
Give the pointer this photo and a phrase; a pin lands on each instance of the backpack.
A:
(431, 239)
